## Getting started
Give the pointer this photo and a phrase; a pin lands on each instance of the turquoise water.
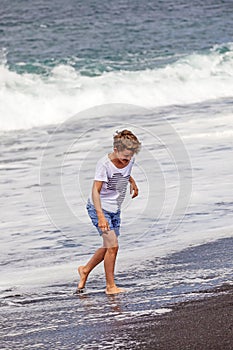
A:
(96, 37)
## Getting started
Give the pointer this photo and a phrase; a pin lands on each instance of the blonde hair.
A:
(125, 139)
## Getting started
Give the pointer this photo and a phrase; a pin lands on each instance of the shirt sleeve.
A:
(101, 172)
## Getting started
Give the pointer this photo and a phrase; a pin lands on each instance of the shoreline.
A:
(204, 323)
(200, 324)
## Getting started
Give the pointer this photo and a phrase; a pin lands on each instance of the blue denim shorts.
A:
(114, 219)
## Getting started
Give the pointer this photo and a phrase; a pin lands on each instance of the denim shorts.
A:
(114, 220)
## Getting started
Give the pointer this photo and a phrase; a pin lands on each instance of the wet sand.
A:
(205, 324)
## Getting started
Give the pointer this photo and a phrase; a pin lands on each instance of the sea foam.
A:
(29, 100)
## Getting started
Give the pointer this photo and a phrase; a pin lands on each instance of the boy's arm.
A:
(133, 187)
(102, 222)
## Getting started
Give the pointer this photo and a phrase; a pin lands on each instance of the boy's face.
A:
(124, 156)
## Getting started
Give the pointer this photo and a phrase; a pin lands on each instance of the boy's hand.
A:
(133, 189)
(103, 223)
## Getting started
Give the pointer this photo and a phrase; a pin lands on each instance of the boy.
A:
(108, 192)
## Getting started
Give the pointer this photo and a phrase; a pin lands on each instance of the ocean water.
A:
(71, 74)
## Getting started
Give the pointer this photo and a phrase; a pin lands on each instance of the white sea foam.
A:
(140, 313)
(28, 100)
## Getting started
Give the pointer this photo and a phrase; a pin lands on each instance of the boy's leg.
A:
(85, 270)
(111, 244)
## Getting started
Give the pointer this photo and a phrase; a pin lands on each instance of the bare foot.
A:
(114, 290)
(83, 277)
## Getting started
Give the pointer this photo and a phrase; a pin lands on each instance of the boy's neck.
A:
(116, 161)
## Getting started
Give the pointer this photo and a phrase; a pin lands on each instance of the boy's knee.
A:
(112, 250)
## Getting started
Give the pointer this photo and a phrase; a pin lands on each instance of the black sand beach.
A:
(201, 324)
(205, 324)
(182, 301)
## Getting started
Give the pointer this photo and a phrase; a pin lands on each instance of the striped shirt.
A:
(115, 181)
